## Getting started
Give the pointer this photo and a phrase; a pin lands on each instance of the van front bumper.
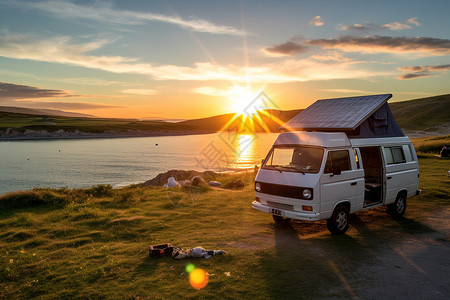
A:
(288, 213)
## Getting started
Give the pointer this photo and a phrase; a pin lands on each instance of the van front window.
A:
(294, 159)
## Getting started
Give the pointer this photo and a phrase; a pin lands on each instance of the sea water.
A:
(77, 163)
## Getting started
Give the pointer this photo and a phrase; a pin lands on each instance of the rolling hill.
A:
(427, 114)
(430, 114)
(41, 111)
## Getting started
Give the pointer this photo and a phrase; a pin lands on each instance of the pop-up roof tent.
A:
(358, 117)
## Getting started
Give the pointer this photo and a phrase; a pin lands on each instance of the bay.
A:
(79, 163)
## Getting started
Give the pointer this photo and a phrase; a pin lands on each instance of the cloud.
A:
(348, 91)
(104, 12)
(210, 91)
(385, 44)
(316, 21)
(421, 71)
(285, 49)
(60, 105)
(331, 56)
(65, 50)
(140, 92)
(15, 94)
(16, 91)
(88, 81)
(413, 21)
(368, 26)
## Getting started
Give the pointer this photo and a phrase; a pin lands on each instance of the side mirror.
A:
(336, 170)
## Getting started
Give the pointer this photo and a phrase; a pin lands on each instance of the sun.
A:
(244, 101)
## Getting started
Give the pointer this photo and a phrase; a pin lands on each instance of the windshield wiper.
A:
(278, 169)
(289, 167)
(300, 170)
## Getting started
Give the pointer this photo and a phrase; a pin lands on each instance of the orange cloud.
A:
(316, 21)
(386, 44)
(421, 71)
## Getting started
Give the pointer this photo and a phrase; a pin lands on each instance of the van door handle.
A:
(353, 183)
(389, 177)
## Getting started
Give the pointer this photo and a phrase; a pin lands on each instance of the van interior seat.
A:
(370, 186)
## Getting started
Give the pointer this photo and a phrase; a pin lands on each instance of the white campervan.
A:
(327, 174)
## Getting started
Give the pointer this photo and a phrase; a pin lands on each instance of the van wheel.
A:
(281, 220)
(339, 221)
(398, 208)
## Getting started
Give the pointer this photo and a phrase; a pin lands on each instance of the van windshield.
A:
(294, 159)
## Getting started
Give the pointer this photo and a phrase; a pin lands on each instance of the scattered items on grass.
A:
(179, 253)
(227, 274)
(160, 250)
(445, 152)
(235, 184)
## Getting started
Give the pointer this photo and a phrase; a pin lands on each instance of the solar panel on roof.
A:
(337, 114)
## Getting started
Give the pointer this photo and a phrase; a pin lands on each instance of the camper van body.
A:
(326, 176)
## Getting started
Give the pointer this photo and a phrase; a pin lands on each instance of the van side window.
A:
(394, 155)
(337, 158)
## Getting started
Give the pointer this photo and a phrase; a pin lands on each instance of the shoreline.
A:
(106, 136)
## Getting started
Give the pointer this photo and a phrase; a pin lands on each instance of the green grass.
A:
(431, 144)
(92, 243)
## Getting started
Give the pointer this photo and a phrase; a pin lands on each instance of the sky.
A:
(192, 59)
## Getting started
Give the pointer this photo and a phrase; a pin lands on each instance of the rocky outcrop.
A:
(181, 175)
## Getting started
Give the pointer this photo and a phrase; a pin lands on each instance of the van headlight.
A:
(307, 193)
(257, 187)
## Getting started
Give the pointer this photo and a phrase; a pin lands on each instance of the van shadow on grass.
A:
(309, 262)
(306, 262)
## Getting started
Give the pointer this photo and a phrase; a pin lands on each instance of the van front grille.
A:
(280, 205)
(288, 191)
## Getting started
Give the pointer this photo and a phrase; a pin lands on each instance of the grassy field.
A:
(92, 243)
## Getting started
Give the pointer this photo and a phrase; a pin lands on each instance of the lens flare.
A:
(198, 278)
(189, 268)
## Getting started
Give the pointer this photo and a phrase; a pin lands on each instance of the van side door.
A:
(402, 171)
(337, 188)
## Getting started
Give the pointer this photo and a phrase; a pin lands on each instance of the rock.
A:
(179, 175)
(235, 184)
(198, 181)
(171, 182)
(215, 183)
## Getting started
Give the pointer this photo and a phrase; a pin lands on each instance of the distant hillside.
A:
(40, 111)
(427, 114)
(430, 115)
(272, 119)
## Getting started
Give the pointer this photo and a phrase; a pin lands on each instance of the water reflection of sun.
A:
(244, 150)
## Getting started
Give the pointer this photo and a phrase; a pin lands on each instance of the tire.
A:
(281, 220)
(398, 208)
(339, 221)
